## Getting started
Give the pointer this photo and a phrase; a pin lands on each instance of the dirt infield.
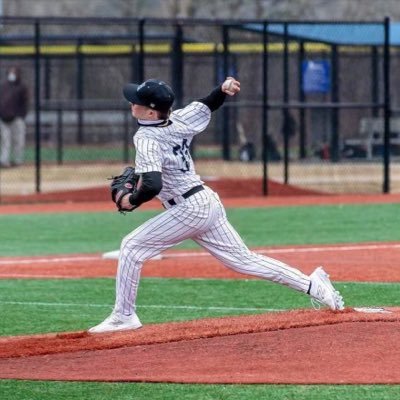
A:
(366, 262)
(303, 346)
(290, 347)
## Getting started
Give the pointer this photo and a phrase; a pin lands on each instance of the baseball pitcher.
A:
(164, 169)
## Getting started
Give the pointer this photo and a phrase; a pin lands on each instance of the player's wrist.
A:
(132, 199)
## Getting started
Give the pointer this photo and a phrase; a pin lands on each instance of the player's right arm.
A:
(197, 114)
(218, 95)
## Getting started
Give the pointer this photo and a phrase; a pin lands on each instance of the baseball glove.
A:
(123, 184)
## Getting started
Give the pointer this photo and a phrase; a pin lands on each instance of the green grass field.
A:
(99, 232)
(108, 153)
(36, 306)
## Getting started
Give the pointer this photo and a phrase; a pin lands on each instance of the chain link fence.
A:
(311, 112)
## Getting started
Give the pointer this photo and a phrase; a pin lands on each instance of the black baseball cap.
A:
(152, 93)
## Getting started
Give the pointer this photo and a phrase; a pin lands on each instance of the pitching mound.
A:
(303, 346)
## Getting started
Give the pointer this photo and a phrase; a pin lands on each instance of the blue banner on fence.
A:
(316, 76)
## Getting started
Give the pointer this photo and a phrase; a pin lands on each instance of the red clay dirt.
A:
(304, 346)
(366, 262)
(226, 187)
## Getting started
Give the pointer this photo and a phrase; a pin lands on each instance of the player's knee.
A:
(133, 249)
(130, 241)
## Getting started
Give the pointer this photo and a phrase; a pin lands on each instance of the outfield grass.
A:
(98, 153)
(36, 306)
(79, 153)
(101, 232)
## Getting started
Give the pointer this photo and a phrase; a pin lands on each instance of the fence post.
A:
(334, 142)
(285, 102)
(37, 108)
(47, 78)
(302, 100)
(226, 145)
(59, 136)
(387, 107)
(140, 64)
(265, 110)
(80, 90)
(177, 65)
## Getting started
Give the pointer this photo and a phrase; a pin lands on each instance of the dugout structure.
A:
(307, 90)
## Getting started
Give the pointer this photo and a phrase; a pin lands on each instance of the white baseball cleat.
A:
(117, 322)
(323, 292)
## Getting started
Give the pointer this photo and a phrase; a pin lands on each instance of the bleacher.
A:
(370, 141)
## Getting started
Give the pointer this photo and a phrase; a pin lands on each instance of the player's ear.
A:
(152, 113)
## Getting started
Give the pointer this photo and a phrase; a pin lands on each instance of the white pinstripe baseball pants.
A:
(202, 218)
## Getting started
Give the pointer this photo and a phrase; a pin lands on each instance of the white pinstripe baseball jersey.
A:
(166, 149)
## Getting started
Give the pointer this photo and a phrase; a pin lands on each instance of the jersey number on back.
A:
(182, 151)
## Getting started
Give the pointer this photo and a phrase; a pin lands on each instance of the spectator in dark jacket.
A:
(13, 110)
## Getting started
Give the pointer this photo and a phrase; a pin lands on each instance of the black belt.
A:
(189, 193)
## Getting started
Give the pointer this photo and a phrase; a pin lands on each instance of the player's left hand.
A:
(230, 86)
(122, 186)
(124, 203)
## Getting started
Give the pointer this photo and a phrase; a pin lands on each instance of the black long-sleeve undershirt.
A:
(151, 185)
(215, 99)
